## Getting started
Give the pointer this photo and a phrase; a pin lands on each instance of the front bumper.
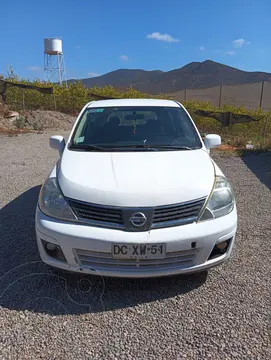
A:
(88, 249)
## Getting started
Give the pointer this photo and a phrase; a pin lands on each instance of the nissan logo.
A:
(138, 219)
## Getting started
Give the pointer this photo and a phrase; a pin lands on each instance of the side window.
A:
(81, 129)
(183, 124)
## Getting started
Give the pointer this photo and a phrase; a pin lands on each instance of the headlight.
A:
(52, 202)
(221, 201)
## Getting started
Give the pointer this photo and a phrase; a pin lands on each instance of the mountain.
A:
(196, 75)
(121, 78)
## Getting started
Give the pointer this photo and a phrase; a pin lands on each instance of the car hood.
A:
(136, 178)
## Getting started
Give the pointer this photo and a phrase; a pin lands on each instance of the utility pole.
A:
(261, 96)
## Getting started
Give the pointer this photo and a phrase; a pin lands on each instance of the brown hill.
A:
(196, 75)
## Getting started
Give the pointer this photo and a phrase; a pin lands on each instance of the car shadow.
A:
(28, 284)
(260, 165)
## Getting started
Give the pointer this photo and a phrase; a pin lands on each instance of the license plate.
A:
(139, 251)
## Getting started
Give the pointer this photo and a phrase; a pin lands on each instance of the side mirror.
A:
(211, 141)
(57, 142)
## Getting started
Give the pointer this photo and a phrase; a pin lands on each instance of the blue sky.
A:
(101, 36)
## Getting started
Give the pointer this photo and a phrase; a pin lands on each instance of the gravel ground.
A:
(222, 314)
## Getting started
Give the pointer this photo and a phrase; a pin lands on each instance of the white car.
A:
(135, 193)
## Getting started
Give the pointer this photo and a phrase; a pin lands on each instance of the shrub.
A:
(37, 126)
(20, 122)
(75, 96)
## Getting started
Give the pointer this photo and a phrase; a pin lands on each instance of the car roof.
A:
(133, 102)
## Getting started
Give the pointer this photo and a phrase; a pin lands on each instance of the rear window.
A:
(120, 126)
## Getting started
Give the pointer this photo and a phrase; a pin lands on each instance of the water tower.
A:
(54, 66)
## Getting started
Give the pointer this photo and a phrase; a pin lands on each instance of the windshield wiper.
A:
(156, 147)
(85, 147)
(174, 147)
(136, 146)
(88, 147)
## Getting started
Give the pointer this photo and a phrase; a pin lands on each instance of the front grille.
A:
(97, 213)
(113, 217)
(99, 261)
(177, 214)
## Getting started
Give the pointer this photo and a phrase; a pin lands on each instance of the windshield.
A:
(135, 127)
